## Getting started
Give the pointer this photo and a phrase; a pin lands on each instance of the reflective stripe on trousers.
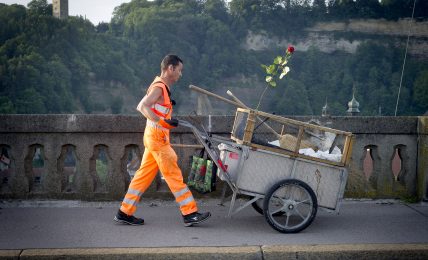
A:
(184, 197)
(158, 155)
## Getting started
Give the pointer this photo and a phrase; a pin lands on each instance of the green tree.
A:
(116, 105)
(369, 8)
(342, 9)
(293, 100)
(420, 94)
(216, 9)
(30, 102)
(319, 9)
(6, 106)
(40, 7)
(10, 17)
(58, 61)
(395, 9)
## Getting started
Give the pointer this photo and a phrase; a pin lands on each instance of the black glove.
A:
(172, 121)
(168, 123)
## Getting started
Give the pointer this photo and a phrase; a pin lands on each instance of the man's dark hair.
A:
(170, 59)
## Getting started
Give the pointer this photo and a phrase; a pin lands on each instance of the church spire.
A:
(324, 111)
(353, 105)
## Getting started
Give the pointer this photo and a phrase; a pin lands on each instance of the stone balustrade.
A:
(93, 157)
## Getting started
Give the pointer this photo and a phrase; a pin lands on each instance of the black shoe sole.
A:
(126, 222)
(198, 222)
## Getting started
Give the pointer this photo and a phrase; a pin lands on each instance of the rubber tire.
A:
(257, 207)
(280, 184)
(260, 209)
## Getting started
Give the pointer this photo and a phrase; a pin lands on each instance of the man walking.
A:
(156, 106)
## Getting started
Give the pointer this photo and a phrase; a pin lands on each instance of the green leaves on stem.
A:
(279, 67)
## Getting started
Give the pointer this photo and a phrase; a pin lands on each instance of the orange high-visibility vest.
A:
(162, 110)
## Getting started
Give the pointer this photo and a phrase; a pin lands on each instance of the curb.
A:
(345, 251)
(250, 252)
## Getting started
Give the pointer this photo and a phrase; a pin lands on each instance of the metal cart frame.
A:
(287, 192)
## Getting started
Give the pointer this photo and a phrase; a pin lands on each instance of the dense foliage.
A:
(48, 65)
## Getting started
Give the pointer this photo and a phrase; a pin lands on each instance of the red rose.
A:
(290, 49)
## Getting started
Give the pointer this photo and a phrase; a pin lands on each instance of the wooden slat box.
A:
(261, 130)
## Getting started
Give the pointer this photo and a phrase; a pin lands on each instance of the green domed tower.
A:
(353, 106)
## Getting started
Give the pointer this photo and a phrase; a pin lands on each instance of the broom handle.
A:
(206, 92)
(237, 103)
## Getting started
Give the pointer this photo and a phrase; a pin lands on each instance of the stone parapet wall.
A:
(376, 143)
(104, 149)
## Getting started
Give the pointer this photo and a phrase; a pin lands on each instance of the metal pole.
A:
(404, 62)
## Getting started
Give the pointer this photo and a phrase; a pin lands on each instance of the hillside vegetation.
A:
(48, 65)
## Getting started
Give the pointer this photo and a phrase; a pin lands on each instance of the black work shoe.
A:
(126, 219)
(195, 218)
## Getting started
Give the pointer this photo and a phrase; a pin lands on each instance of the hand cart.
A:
(284, 182)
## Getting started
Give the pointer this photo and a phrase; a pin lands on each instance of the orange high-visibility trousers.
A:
(158, 155)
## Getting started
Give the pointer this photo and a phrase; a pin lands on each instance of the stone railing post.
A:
(19, 182)
(423, 158)
(52, 152)
(385, 177)
(84, 181)
(115, 182)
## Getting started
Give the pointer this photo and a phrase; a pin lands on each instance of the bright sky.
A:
(95, 10)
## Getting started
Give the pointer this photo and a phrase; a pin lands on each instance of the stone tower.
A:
(60, 8)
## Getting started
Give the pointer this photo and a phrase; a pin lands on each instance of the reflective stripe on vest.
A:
(161, 109)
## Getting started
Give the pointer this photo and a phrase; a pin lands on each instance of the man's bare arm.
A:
(147, 102)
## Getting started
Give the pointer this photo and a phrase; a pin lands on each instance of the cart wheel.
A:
(296, 200)
(258, 206)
